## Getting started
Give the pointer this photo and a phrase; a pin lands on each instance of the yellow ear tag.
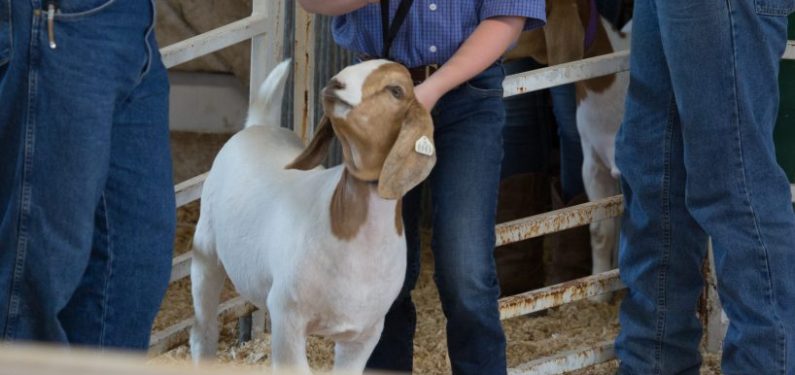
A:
(424, 146)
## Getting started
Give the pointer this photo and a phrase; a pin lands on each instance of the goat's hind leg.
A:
(600, 184)
(207, 282)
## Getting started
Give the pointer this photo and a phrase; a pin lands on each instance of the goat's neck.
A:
(601, 46)
(351, 205)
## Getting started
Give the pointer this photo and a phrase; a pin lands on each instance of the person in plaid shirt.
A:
(453, 50)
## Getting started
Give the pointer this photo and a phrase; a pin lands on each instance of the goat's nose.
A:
(335, 84)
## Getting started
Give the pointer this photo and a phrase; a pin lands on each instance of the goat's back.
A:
(251, 204)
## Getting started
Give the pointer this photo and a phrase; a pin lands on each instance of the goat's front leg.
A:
(288, 341)
(207, 281)
(350, 357)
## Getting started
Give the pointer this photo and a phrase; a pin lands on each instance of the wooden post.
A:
(304, 63)
(267, 50)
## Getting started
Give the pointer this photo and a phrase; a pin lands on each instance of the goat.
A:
(600, 105)
(323, 250)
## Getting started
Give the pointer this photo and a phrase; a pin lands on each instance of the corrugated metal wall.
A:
(289, 35)
(329, 59)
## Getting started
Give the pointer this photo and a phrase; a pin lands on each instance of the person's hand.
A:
(428, 94)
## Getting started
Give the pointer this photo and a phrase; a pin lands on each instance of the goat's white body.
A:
(275, 222)
(268, 228)
(599, 117)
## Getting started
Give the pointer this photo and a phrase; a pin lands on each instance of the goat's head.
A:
(385, 133)
(561, 39)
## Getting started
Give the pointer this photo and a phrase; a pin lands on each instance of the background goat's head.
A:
(385, 133)
(561, 39)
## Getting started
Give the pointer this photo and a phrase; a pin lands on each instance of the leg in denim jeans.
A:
(564, 105)
(526, 135)
(91, 206)
(468, 135)
(395, 350)
(131, 253)
(696, 151)
(464, 187)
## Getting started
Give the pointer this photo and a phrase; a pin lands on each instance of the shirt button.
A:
(432, 7)
(432, 49)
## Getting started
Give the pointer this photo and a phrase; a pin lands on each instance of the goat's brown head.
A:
(385, 133)
(562, 40)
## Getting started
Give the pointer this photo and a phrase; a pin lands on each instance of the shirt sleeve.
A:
(534, 10)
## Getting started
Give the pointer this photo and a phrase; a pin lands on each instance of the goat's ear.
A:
(317, 150)
(564, 32)
(412, 155)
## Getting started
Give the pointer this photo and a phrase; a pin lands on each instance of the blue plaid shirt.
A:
(433, 30)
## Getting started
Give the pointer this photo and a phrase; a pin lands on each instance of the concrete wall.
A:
(207, 102)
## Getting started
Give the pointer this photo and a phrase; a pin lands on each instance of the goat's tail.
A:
(266, 108)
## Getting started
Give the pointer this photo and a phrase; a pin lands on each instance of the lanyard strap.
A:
(591, 29)
(388, 31)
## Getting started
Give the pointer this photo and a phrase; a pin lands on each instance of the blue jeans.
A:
(468, 134)
(564, 105)
(610, 10)
(86, 194)
(527, 136)
(697, 157)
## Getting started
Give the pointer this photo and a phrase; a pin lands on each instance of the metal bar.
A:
(509, 232)
(267, 49)
(180, 266)
(593, 67)
(259, 324)
(189, 190)
(244, 329)
(789, 53)
(166, 10)
(214, 40)
(557, 75)
(567, 361)
(792, 192)
(556, 221)
(176, 334)
(559, 294)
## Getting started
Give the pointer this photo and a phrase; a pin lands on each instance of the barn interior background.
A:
(209, 101)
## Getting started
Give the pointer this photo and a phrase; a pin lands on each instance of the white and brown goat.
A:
(322, 250)
(600, 102)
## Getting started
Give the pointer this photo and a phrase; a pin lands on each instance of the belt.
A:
(418, 74)
(421, 73)
(520, 65)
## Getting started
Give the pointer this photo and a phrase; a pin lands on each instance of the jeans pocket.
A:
(76, 9)
(774, 7)
(5, 32)
(485, 92)
(488, 83)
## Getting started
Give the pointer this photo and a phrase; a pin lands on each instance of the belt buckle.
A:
(430, 69)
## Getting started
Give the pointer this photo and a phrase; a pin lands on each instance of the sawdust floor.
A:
(568, 327)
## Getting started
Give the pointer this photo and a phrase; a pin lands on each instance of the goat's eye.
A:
(396, 91)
